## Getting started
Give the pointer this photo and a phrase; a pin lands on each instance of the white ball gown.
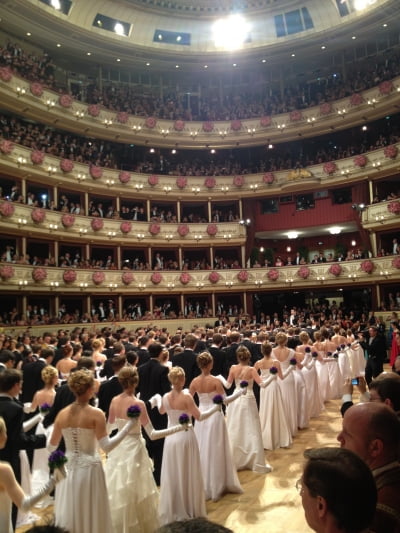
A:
(244, 430)
(218, 469)
(323, 377)
(289, 395)
(81, 500)
(312, 387)
(132, 492)
(181, 485)
(274, 425)
(335, 378)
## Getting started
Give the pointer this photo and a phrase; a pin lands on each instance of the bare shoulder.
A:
(6, 474)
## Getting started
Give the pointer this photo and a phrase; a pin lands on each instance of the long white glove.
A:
(269, 380)
(235, 395)
(30, 501)
(307, 362)
(155, 434)
(155, 401)
(224, 382)
(32, 422)
(209, 412)
(107, 444)
(27, 407)
(288, 371)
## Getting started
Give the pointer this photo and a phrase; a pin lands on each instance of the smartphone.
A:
(354, 381)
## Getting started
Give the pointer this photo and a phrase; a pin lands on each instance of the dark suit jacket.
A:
(63, 397)
(377, 348)
(31, 375)
(187, 360)
(231, 354)
(143, 355)
(153, 379)
(219, 366)
(108, 389)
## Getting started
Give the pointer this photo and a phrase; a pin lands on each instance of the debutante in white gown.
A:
(289, 395)
(181, 485)
(132, 492)
(218, 469)
(335, 379)
(303, 405)
(244, 430)
(274, 425)
(323, 377)
(81, 500)
(357, 360)
(344, 363)
(312, 387)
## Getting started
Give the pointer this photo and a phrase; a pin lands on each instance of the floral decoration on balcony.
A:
(65, 100)
(391, 151)
(93, 110)
(69, 276)
(68, 220)
(295, 115)
(183, 230)
(269, 178)
(210, 182)
(335, 269)
(39, 274)
(367, 266)
(127, 277)
(154, 229)
(38, 215)
(97, 224)
(37, 157)
(273, 274)
(236, 125)
(5, 74)
(386, 87)
(396, 262)
(208, 126)
(214, 277)
(153, 180)
(394, 207)
(98, 277)
(6, 272)
(156, 278)
(265, 121)
(6, 146)
(212, 229)
(329, 167)
(185, 278)
(124, 177)
(36, 88)
(238, 181)
(126, 226)
(303, 272)
(7, 209)
(325, 108)
(181, 182)
(360, 160)
(150, 122)
(95, 172)
(356, 99)
(243, 275)
(122, 117)
(179, 125)
(66, 165)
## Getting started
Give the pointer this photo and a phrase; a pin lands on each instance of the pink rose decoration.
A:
(66, 165)
(124, 177)
(367, 266)
(37, 157)
(6, 272)
(38, 215)
(212, 229)
(325, 108)
(210, 182)
(303, 272)
(394, 207)
(396, 262)
(269, 178)
(183, 230)
(295, 115)
(126, 226)
(65, 100)
(154, 229)
(265, 121)
(39, 274)
(69, 276)
(386, 87)
(335, 269)
(127, 277)
(156, 278)
(179, 125)
(181, 182)
(243, 275)
(36, 88)
(208, 126)
(5, 74)
(122, 117)
(390, 151)
(7, 209)
(153, 180)
(98, 277)
(185, 278)
(95, 172)
(238, 181)
(68, 220)
(97, 224)
(236, 125)
(360, 161)
(93, 110)
(273, 274)
(150, 122)
(356, 99)
(6, 146)
(329, 167)
(214, 277)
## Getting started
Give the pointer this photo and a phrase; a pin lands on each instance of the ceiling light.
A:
(293, 55)
(179, 38)
(323, 47)
(88, 53)
(176, 66)
(354, 37)
(230, 33)
(292, 234)
(56, 4)
(263, 61)
(119, 29)
(384, 25)
(58, 45)
(28, 33)
(147, 64)
(205, 66)
(234, 64)
(118, 59)
(335, 230)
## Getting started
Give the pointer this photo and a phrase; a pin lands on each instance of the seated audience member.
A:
(193, 525)
(372, 431)
(385, 388)
(337, 490)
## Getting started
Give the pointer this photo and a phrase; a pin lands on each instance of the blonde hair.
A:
(204, 359)
(97, 343)
(281, 338)
(128, 376)
(3, 427)
(175, 374)
(266, 349)
(243, 354)
(304, 336)
(48, 374)
(80, 381)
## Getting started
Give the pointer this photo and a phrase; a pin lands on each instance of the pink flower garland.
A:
(236, 125)
(122, 117)
(127, 277)
(295, 115)
(6, 146)
(212, 229)
(39, 274)
(95, 172)
(303, 272)
(265, 121)
(66, 165)
(5, 74)
(394, 207)
(179, 125)
(93, 110)
(269, 178)
(153, 180)
(367, 266)
(329, 167)
(243, 275)
(69, 276)
(98, 277)
(65, 100)
(208, 126)
(97, 224)
(7, 209)
(6, 272)
(325, 108)
(386, 87)
(36, 88)
(185, 278)
(360, 161)
(124, 177)
(150, 122)
(154, 229)
(356, 99)
(38, 215)
(210, 182)
(181, 182)
(37, 157)
(126, 226)
(156, 278)
(68, 220)
(273, 274)
(396, 262)
(335, 269)
(183, 230)
(214, 277)
(238, 181)
(390, 151)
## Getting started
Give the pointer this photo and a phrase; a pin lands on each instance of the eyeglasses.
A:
(299, 486)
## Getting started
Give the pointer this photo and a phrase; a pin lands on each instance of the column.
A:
(240, 209)
(209, 211)
(178, 211)
(213, 303)
(372, 239)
